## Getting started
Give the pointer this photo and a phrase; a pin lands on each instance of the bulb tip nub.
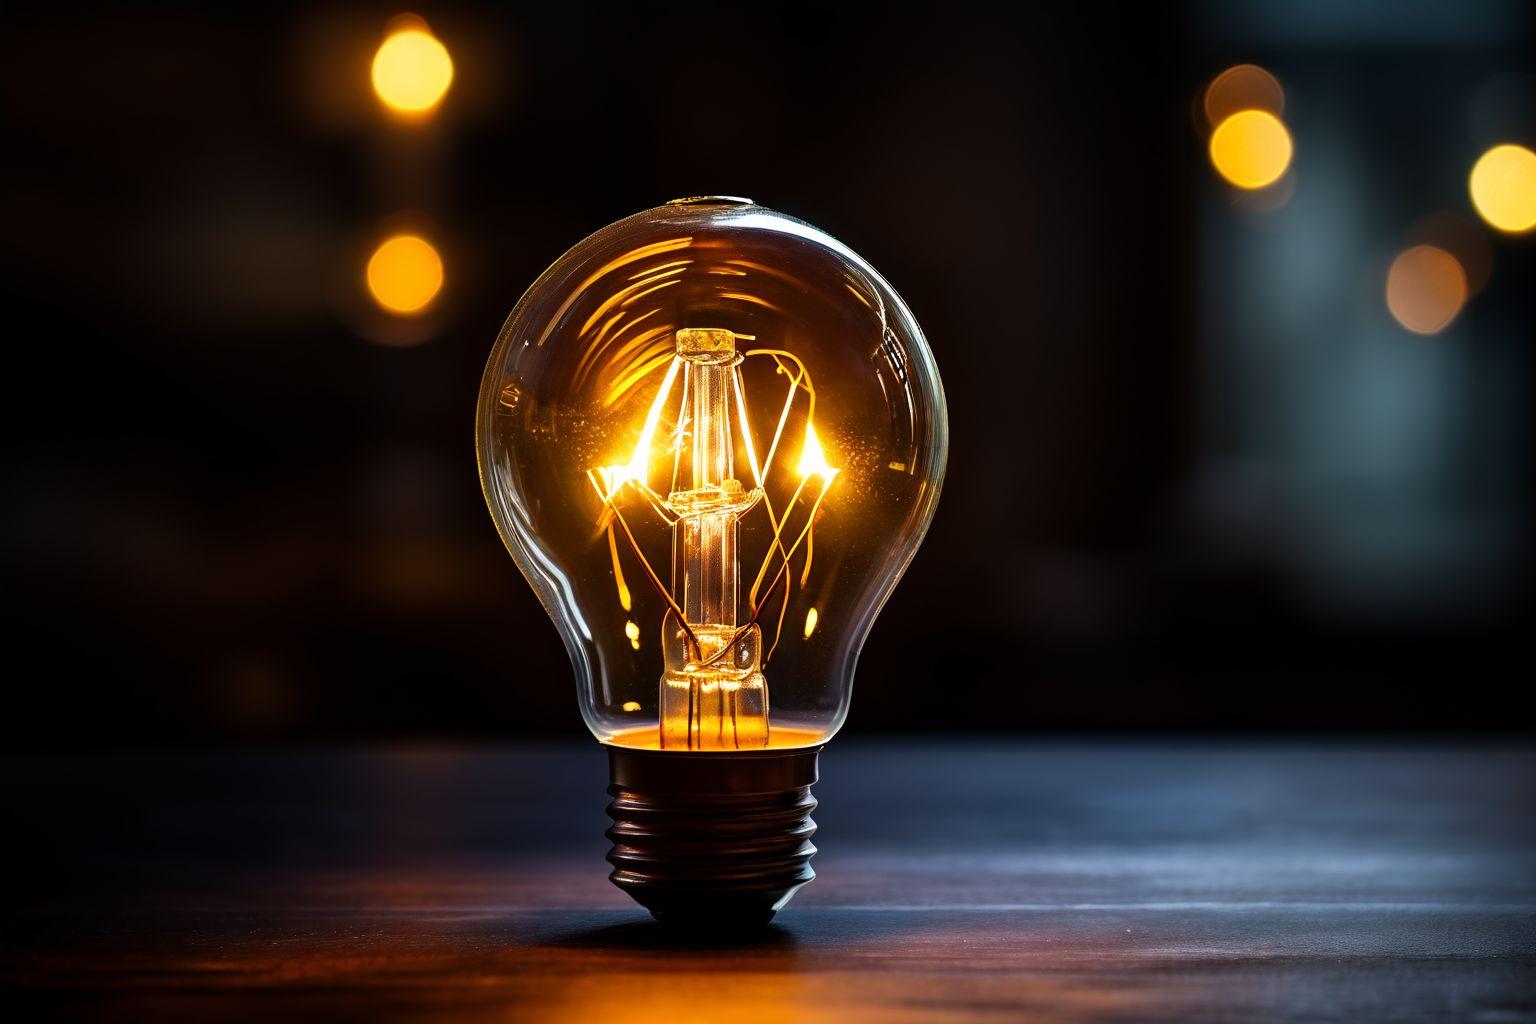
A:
(711, 201)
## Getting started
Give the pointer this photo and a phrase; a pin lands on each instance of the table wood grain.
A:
(965, 880)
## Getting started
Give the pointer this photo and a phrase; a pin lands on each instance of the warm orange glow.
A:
(1426, 288)
(1244, 87)
(783, 737)
(1503, 186)
(633, 632)
(405, 274)
(1251, 149)
(412, 70)
(813, 461)
(810, 622)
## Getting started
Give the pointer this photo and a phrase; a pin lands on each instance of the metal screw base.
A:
(718, 840)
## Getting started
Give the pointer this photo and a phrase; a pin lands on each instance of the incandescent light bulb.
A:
(712, 438)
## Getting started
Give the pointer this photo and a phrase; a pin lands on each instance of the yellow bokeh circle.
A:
(1503, 186)
(405, 274)
(1251, 149)
(412, 71)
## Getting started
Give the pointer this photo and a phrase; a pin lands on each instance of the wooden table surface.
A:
(965, 880)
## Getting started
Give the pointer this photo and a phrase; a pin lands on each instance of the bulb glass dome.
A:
(712, 437)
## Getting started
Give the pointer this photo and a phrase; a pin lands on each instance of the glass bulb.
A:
(712, 437)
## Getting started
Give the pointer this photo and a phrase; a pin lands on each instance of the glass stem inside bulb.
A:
(711, 697)
(709, 538)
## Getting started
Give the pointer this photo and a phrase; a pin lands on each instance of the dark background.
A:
(1199, 478)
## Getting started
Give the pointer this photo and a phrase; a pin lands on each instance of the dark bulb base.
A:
(711, 841)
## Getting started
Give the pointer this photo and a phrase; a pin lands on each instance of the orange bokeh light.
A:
(1243, 87)
(405, 274)
(1426, 288)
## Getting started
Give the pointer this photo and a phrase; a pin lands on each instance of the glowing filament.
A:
(713, 693)
(813, 461)
(639, 465)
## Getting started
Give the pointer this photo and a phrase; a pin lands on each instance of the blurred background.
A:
(1233, 305)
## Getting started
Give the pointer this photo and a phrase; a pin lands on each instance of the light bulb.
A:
(712, 437)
